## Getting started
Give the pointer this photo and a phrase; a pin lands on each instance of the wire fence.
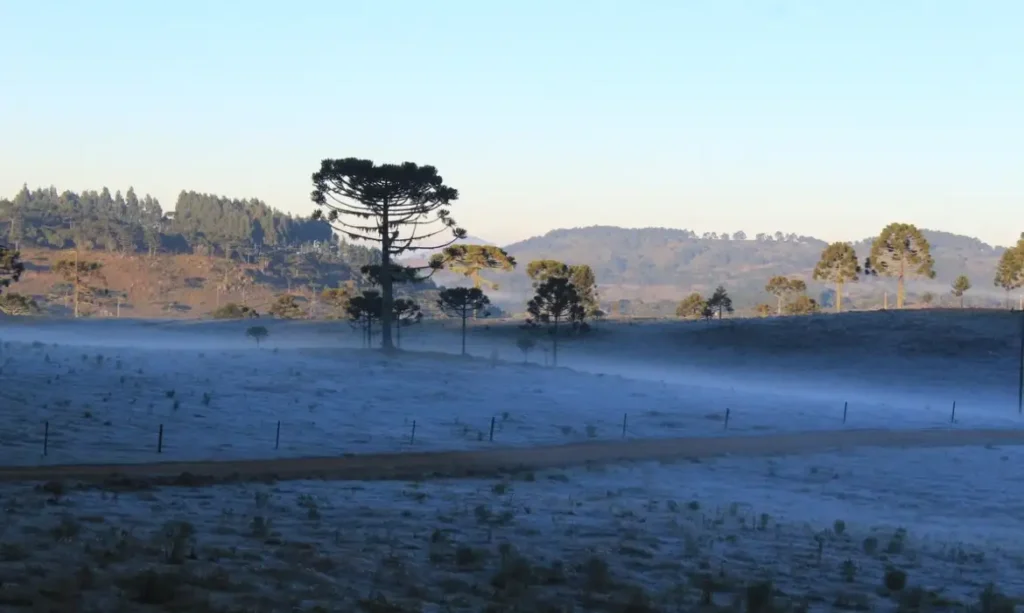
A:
(68, 439)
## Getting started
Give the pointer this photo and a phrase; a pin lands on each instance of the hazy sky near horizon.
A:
(822, 118)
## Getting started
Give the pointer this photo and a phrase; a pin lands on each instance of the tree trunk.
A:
(899, 285)
(839, 296)
(386, 286)
(554, 345)
(961, 301)
(778, 309)
(77, 280)
(464, 315)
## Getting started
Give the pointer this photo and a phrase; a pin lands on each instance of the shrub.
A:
(235, 311)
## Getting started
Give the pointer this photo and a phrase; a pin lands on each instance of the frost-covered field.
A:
(100, 391)
(828, 532)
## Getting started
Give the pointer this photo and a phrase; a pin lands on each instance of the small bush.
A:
(895, 580)
(235, 311)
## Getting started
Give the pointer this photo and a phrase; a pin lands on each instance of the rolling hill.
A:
(664, 264)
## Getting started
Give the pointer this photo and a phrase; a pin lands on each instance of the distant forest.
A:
(200, 223)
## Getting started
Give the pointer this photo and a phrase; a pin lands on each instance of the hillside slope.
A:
(665, 264)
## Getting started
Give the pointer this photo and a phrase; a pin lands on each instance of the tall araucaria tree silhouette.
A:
(462, 302)
(397, 206)
(555, 302)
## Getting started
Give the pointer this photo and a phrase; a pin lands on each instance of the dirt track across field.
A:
(452, 464)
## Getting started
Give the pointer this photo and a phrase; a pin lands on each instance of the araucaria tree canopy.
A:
(402, 207)
(901, 251)
(838, 265)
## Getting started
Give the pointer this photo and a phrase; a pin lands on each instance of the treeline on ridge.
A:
(127, 223)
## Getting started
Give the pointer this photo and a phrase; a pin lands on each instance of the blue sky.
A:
(825, 118)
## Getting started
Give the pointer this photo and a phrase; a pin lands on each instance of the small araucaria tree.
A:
(526, 344)
(389, 204)
(363, 310)
(901, 251)
(86, 279)
(960, 287)
(783, 288)
(691, 306)
(556, 302)
(405, 312)
(720, 302)
(1010, 271)
(581, 276)
(258, 334)
(838, 265)
(462, 302)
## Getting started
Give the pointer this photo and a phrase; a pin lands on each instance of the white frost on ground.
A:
(948, 518)
(106, 404)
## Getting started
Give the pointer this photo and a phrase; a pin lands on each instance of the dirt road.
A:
(490, 462)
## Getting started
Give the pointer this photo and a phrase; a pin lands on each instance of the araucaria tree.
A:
(83, 276)
(838, 265)
(471, 260)
(257, 333)
(555, 302)
(960, 287)
(1010, 271)
(401, 207)
(784, 287)
(363, 310)
(581, 276)
(406, 313)
(462, 302)
(720, 302)
(902, 251)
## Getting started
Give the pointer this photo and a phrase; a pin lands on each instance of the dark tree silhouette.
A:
(580, 275)
(720, 301)
(462, 302)
(406, 313)
(388, 204)
(556, 301)
(901, 251)
(257, 333)
(363, 310)
(525, 344)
